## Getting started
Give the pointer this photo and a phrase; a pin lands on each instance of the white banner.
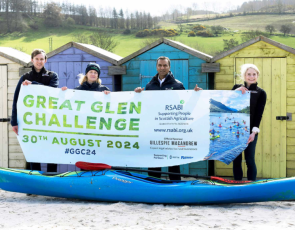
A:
(148, 129)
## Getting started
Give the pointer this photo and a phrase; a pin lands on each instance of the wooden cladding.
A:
(210, 67)
(116, 70)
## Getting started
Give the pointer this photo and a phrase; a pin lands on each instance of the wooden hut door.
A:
(179, 68)
(270, 155)
(68, 72)
(3, 114)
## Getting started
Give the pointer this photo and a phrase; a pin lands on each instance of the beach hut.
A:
(187, 65)
(71, 59)
(12, 63)
(275, 150)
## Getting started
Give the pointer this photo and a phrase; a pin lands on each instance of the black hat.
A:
(93, 66)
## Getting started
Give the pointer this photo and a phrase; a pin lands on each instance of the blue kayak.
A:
(114, 186)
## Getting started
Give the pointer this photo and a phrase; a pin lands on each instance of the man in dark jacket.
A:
(164, 80)
(39, 76)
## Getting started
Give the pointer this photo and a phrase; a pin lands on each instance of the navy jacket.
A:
(170, 83)
(52, 82)
(257, 103)
(92, 87)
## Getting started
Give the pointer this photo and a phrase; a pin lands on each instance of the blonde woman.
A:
(250, 74)
(91, 81)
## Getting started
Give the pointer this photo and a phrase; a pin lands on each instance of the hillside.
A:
(253, 22)
(128, 44)
(218, 107)
(245, 110)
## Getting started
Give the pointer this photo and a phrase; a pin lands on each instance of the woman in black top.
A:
(250, 74)
(91, 81)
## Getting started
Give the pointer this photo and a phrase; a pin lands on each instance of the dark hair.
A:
(163, 58)
(38, 51)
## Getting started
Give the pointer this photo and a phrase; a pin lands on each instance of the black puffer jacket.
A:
(170, 83)
(92, 87)
(257, 103)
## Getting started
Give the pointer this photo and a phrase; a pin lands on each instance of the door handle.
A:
(4, 119)
(283, 118)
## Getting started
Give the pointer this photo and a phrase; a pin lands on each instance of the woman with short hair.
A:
(250, 74)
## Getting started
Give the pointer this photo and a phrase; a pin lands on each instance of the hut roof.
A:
(91, 49)
(250, 42)
(174, 44)
(15, 55)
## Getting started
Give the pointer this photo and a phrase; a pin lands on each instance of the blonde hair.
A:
(83, 78)
(244, 69)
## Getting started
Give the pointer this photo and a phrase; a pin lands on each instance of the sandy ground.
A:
(18, 211)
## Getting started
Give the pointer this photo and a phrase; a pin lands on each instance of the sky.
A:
(158, 7)
(234, 100)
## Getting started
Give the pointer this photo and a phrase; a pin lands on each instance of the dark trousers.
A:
(250, 162)
(174, 169)
(37, 166)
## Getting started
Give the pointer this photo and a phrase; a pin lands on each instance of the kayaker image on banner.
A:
(150, 129)
(229, 125)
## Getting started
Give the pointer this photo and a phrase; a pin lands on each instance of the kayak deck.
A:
(114, 186)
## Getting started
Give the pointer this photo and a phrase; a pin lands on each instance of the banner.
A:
(147, 129)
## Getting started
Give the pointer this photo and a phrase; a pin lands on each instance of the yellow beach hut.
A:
(275, 150)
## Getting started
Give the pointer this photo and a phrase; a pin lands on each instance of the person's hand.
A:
(197, 88)
(26, 82)
(64, 88)
(251, 138)
(15, 129)
(243, 89)
(106, 92)
(138, 89)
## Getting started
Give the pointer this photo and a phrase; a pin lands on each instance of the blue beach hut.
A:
(187, 65)
(70, 60)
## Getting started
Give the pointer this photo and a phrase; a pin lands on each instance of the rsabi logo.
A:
(185, 157)
(174, 107)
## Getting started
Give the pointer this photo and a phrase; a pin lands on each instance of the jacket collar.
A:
(169, 77)
(42, 72)
(90, 86)
(252, 86)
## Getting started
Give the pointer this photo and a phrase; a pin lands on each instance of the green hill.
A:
(30, 39)
(253, 22)
(245, 110)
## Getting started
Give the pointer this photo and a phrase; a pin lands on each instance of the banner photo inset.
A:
(147, 129)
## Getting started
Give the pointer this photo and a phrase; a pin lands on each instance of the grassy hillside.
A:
(128, 44)
(252, 22)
